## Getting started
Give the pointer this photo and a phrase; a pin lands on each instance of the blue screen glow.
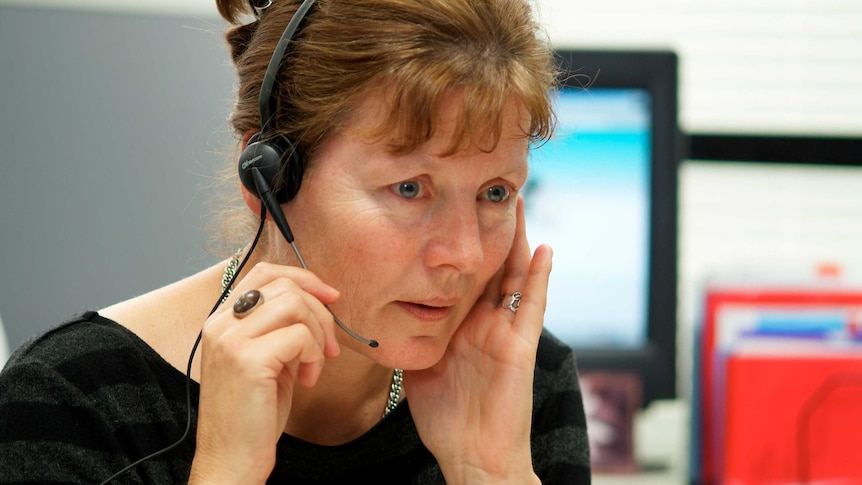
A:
(588, 197)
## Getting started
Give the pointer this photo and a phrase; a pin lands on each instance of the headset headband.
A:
(269, 102)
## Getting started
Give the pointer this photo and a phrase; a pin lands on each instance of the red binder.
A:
(793, 419)
(709, 399)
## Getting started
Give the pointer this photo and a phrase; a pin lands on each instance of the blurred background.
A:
(113, 121)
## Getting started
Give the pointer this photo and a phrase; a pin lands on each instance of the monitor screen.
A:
(603, 193)
(588, 195)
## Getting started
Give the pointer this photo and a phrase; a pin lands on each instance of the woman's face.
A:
(409, 240)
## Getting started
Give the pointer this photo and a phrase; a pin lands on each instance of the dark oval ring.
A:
(511, 301)
(247, 302)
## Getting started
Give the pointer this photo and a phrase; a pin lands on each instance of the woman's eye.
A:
(497, 193)
(408, 190)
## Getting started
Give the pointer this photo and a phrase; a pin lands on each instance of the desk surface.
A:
(660, 436)
(644, 478)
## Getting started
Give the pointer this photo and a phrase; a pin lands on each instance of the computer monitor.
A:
(603, 193)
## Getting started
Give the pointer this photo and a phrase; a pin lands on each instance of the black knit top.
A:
(84, 399)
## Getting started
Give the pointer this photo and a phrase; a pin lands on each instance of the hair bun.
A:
(238, 39)
(232, 10)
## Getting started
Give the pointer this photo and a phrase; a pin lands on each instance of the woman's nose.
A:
(456, 239)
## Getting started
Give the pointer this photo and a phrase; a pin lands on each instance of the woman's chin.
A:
(418, 353)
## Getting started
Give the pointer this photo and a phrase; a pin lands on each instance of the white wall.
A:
(746, 65)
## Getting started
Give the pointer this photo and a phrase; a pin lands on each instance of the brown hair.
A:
(411, 51)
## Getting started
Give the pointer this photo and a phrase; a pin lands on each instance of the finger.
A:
(263, 274)
(283, 307)
(286, 346)
(515, 264)
(276, 280)
(268, 319)
(531, 313)
(518, 261)
(311, 311)
(313, 285)
(512, 276)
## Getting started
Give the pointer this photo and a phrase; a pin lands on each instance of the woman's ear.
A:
(251, 200)
(246, 138)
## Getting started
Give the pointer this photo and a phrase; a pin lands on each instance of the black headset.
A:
(274, 156)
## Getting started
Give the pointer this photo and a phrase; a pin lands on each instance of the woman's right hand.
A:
(249, 367)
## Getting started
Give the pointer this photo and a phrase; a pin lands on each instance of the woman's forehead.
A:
(454, 122)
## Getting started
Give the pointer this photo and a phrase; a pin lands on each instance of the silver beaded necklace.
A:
(397, 375)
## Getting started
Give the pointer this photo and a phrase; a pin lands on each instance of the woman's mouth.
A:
(426, 312)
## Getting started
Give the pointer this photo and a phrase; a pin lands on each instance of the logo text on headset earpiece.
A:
(251, 162)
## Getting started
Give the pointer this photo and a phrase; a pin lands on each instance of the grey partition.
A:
(110, 127)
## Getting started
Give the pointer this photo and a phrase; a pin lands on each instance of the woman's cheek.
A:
(498, 243)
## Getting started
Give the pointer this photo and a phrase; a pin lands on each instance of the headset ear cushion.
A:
(278, 160)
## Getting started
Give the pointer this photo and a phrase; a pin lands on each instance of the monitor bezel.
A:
(655, 71)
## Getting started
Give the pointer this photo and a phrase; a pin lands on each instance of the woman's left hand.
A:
(473, 409)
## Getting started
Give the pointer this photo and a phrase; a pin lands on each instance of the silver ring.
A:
(247, 302)
(511, 301)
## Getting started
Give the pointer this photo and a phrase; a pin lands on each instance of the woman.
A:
(409, 124)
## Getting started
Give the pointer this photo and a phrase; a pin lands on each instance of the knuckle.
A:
(290, 300)
(303, 332)
(284, 285)
(266, 271)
